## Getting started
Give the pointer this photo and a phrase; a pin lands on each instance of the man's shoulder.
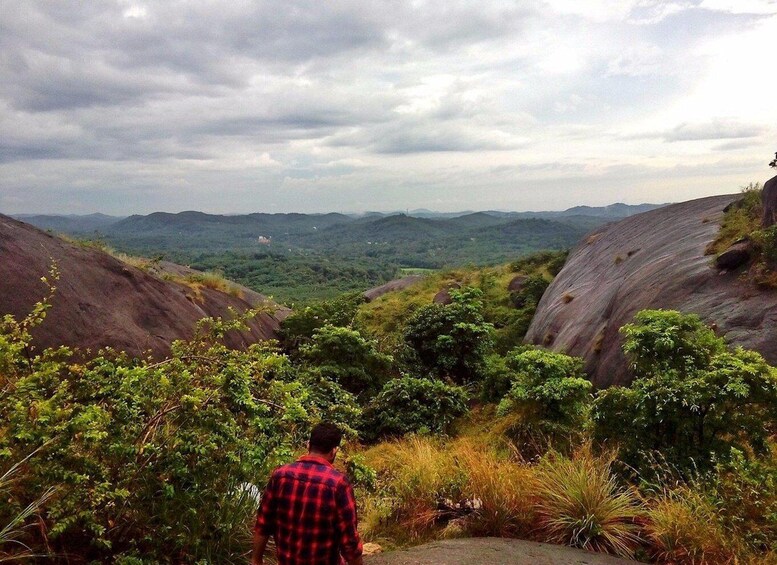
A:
(305, 470)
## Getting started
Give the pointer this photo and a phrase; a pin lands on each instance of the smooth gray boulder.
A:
(651, 260)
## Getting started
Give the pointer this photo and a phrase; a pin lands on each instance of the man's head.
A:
(325, 438)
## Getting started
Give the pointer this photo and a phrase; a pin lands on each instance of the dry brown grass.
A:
(683, 528)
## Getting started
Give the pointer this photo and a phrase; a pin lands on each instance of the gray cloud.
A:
(236, 105)
(715, 129)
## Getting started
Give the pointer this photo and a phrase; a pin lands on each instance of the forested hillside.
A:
(297, 258)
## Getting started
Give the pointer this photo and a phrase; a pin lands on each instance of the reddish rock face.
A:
(769, 199)
(652, 260)
(101, 301)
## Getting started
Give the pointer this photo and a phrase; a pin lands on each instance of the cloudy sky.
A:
(328, 105)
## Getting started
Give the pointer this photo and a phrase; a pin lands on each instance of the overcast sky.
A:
(326, 105)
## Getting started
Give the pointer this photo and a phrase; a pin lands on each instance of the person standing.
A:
(309, 508)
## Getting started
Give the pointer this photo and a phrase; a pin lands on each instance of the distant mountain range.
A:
(299, 223)
(298, 257)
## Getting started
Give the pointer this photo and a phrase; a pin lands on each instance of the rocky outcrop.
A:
(769, 196)
(101, 301)
(444, 296)
(652, 260)
(735, 256)
(391, 286)
(517, 283)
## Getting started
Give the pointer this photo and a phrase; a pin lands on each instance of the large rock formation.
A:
(770, 202)
(652, 260)
(101, 301)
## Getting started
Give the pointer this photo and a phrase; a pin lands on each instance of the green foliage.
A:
(744, 492)
(412, 405)
(663, 341)
(766, 240)
(345, 357)
(531, 292)
(146, 457)
(740, 220)
(692, 399)
(553, 261)
(451, 340)
(549, 391)
(298, 328)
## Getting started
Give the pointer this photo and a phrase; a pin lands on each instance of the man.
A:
(309, 508)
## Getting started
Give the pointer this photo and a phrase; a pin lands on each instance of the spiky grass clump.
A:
(683, 527)
(581, 504)
(502, 492)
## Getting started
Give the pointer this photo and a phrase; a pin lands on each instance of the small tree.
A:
(299, 327)
(344, 356)
(412, 405)
(549, 392)
(451, 340)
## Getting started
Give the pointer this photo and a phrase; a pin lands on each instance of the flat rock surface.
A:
(651, 260)
(391, 286)
(491, 551)
(101, 301)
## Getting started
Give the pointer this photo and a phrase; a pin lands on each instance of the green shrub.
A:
(146, 458)
(344, 356)
(298, 328)
(767, 242)
(549, 392)
(412, 405)
(691, 400)
(531, 292)
(451, 340)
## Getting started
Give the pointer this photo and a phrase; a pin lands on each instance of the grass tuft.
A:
(581, 504)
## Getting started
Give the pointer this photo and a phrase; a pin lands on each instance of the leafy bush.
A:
(299, 327)
(549, 392)
(692, 399)
(411, 405)
(345, 357)
(767, 242)
(580, 504)
(531, 293)
(146, 457)
(451, 340)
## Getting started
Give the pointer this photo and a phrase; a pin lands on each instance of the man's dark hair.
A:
(324, 437)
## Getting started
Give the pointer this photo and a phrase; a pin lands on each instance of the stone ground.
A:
(491, 551)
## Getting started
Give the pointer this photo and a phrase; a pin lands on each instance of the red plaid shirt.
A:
(310, 510)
